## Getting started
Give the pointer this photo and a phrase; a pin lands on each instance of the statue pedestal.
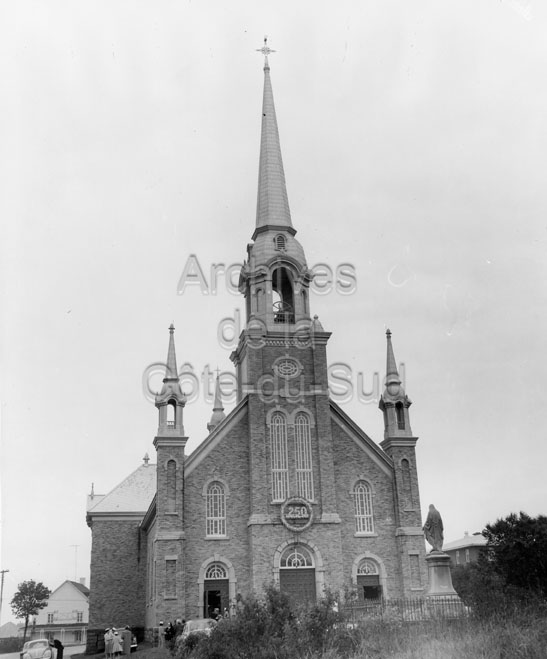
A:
(440, 579)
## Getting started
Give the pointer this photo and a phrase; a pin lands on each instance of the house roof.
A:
(467, 541)
(132, 495)
(80, 586)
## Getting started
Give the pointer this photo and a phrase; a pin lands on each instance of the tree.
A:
(28, 600)
(516, 549)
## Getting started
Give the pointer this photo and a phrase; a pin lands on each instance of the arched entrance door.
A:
(215, 590)
(297, 574)
(368, 582)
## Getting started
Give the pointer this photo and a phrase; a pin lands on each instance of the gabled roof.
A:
(377, 454)
(465, 542)
(132, 495)
(80, 586)
(84, 590)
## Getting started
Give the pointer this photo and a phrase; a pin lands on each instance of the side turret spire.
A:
(394, 402)
(218, 409)
(171, 399)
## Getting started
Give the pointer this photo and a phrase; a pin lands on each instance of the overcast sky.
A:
(414, 140)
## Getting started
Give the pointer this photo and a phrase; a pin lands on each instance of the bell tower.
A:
(281, 363)
(167, 558)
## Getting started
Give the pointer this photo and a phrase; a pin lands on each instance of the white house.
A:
(66, 615)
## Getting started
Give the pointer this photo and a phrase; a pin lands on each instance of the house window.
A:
(79, 616)
(50, 618)
(303, 461)
(216, 510)
(278, 447)
(78, 636)
(362, 494)
(457, 556)
(467, 555)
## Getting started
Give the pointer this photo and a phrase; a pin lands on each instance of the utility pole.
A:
(75, 561)
(2, 572)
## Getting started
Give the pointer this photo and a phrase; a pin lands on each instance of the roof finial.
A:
(146, 459)
(265, 50)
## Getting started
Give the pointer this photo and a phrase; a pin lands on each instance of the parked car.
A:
(199, 627)
(38, 649)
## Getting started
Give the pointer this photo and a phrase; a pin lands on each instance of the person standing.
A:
(161, 635)
(116, 644)
(108, 640)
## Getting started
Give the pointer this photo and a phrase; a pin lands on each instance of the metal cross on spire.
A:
(265, 50)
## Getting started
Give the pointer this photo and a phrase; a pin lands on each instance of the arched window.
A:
(366, 567)
(171, 489)
(216, 510)
(280, 466)
(400, 411)
(296, 556)
(303, 457)
(170, 417)
(216, 571)
(280, 243)
(283, 300)
(362, 494)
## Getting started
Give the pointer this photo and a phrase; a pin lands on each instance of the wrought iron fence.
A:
(407, 609)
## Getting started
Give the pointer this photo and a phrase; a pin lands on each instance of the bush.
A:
(272, 628)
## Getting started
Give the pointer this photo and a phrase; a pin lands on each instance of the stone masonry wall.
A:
(117, 577)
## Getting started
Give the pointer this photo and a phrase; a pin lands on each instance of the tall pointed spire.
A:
(171, 372)
(392, 374)
(218, 409)
(272, 203)
(171, 398)
(394, 402)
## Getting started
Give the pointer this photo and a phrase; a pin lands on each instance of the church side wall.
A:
(352, 464)
(228, 462)
(117, 579)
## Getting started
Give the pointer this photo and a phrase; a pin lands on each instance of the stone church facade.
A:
(286, 488)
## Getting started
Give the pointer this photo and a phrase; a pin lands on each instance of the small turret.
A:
(394, 402)
(171, 400)
(218, 410)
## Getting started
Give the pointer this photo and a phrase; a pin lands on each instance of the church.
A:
(286, 488)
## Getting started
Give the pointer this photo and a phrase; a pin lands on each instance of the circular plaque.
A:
(297, 514)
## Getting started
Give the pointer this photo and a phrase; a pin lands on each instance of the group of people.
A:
(116, 644)
(169, 632)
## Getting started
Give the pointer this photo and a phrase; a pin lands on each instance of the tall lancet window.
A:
(171, 489)
(304, 473)
(216, 509)
(400, 411)
(280, 462)
(362, 494)
(170, 416)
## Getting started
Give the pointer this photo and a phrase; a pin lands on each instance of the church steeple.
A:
(218, 410)
(171, 400)
(394, 402)
(272, 209)
(275, 278)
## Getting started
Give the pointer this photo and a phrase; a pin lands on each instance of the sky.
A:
(413, 137)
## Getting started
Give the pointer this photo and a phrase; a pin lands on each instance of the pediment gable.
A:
(356, 434)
